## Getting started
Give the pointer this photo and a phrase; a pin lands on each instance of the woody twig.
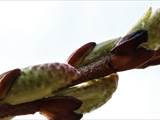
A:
(127, 54)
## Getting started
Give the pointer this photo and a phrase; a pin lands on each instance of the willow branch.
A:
(111, 63)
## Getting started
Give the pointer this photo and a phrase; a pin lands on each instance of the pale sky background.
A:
(40, 32)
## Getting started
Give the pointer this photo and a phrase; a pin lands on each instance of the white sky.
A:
(40, 32)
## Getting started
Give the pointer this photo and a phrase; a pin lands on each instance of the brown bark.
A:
(114, 63)
(154, 60)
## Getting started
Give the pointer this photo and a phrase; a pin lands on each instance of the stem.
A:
(104, 66)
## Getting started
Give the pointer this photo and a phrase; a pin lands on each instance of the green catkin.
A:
(40, 81)
(94, 93)
(150, 22)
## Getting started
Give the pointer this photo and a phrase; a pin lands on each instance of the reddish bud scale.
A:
(6, 81)
(130, 42)
(78, 55)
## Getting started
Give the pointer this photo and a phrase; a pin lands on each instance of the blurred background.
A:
(49, 31)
